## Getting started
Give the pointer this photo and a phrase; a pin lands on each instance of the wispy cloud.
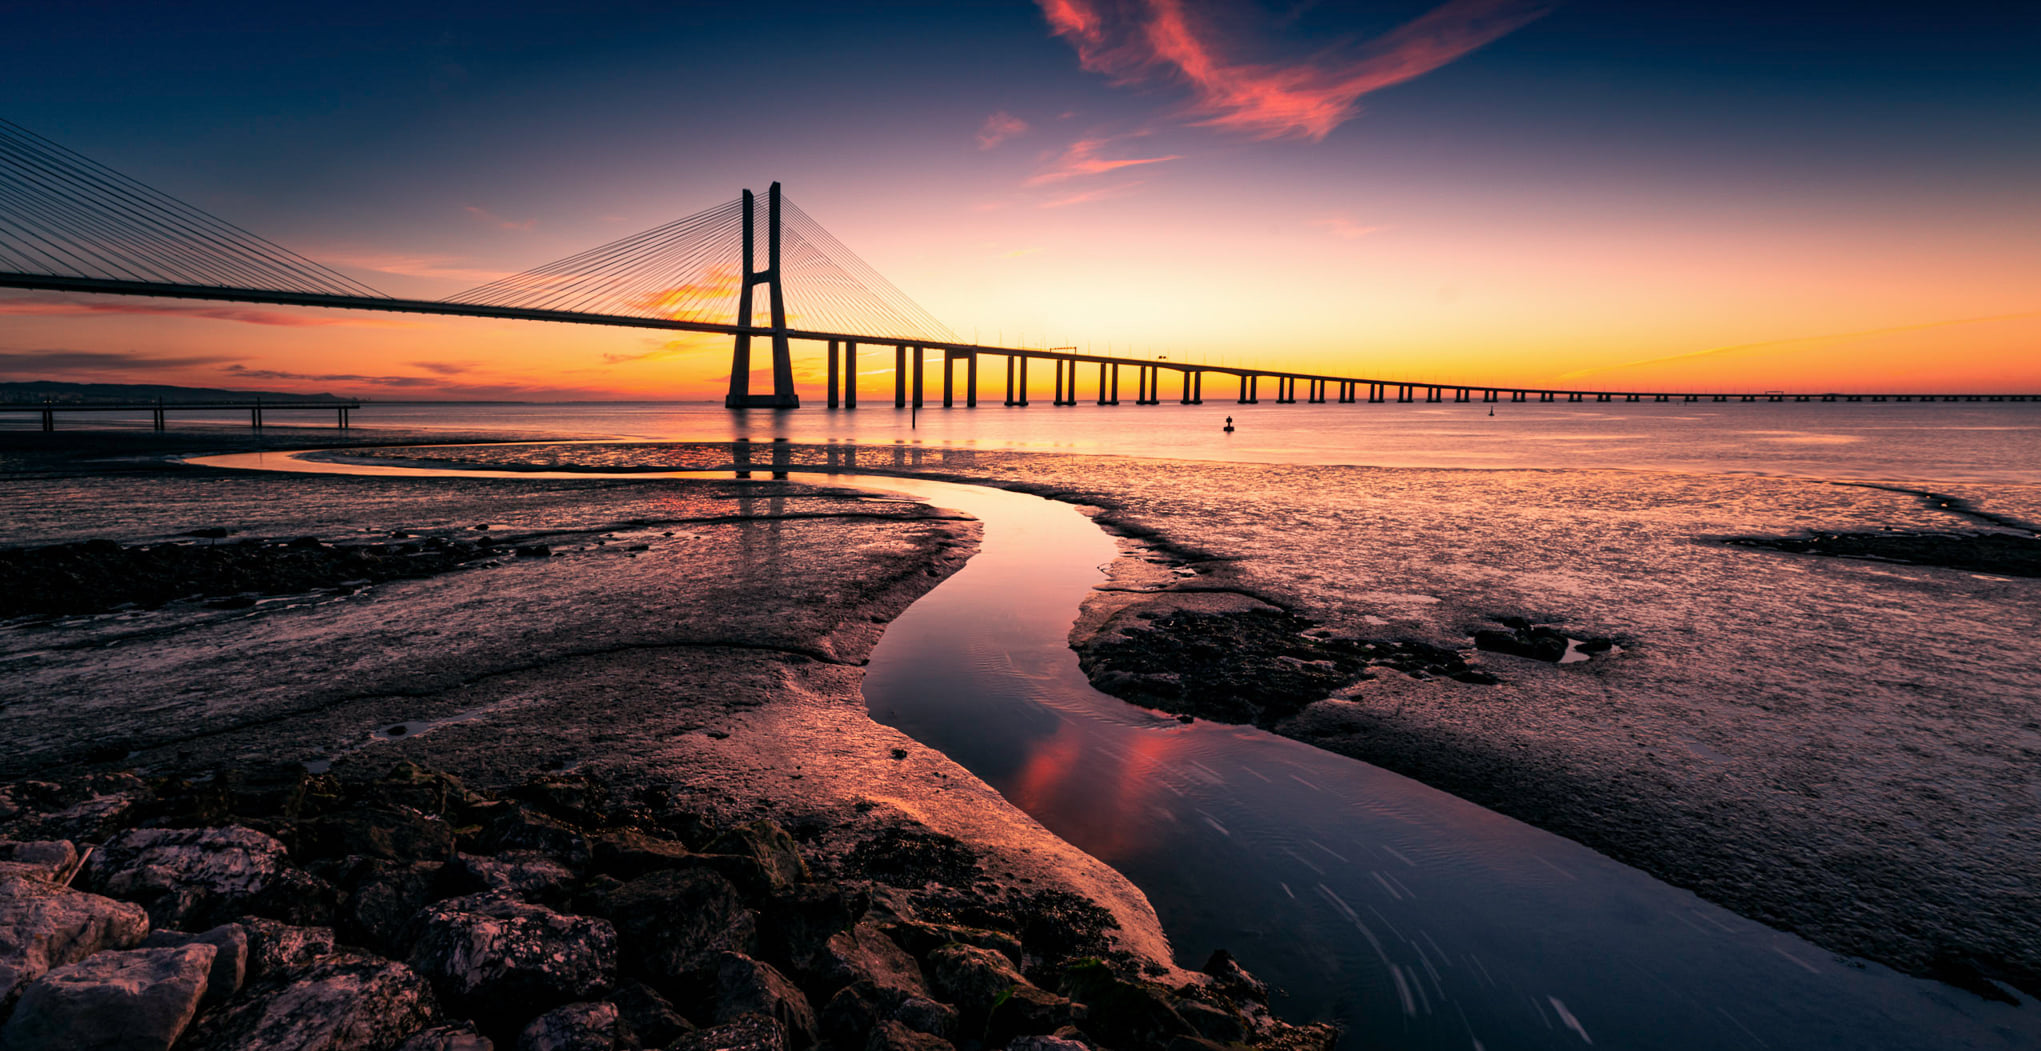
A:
(498, 221)
(998, 128)
(1344, 228)
(15, 363)
(1082, 158)
(448, 267)
(1798, 343)
(1018, 253)
(1088, 196)
(1136, 41)
(70, 306)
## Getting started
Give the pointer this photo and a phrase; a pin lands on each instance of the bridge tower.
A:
(782, 396)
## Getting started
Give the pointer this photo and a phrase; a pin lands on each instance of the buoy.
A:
(1229, 425)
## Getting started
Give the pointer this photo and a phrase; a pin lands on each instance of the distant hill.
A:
(38, 391)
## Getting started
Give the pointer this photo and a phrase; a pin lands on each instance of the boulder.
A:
(230, 956)
(628, 855)
(1027, 1010)
(924, 1015)
(574, 798)
(795, 926)
(125, 1000)
(745, 986)
(674, 924)
(521, 829)
(50, 860)
(778, 860)
(274, 947)
(458, 1036)
(848, 1018)
(921, 938)
(1044, 1042)
(522, 874)
(1212, 1021)
(574, 1027)
(187, 876)
(392, 833)
(892, 1036)
(44, 926)
(749, 1033)
(344, 1002)
(1232, 979)
(645, 1018)
(502, 961)
(265, 790)
(971, 978)
(1122, 1013)
(379, 898)
(411, 786)
(863, 953)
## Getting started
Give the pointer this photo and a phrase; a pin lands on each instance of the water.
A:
(1892, 441)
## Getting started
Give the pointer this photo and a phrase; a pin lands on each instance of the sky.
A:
(1724, 195)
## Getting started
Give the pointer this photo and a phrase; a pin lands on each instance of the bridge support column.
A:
(1009, 379)
(971, 379)
(920, 358)
(782, 396)
(949, 379)
(850, 374)
(833, 376)
(1024, 381)
(899, 376)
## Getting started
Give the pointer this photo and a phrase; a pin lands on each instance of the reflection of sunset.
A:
(1107, 793)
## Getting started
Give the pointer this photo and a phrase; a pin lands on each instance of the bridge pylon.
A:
(782, 396)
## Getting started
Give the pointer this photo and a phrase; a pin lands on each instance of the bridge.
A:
(69, 224)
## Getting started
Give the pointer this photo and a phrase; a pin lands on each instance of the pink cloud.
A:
(998, 128)
(1138, 40)
(60, 305)
(1082, 158)
(1342, 227)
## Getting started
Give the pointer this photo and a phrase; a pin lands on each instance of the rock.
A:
(746, 986)
(50, 860)
(413, 787)
(132, 1000)
(1041, 1042)
(379, 899)
(456, 1037)
(1027, 1010)
(924, 1015)
(376, 832)
(750, 1033)
(44, 926)
(769, 846)
(574, 798)
(521, 874)
(274, 947)
(187, 876)
(520, 829)
(645, 1019)
(921, 938)
(863, 953)
(574, 1027)
(1119, 1012)
(672, 925)
(344, 1002)
(230, 956)
(628, 855)
(1542, 644)
(1212, 1021)
(265, 790)
(795, 925)
(849, 1017)
(892, 1036)
(970, 977)
(1232, 979)
(502, 961)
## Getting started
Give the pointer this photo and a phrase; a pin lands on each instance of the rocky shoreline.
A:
(266, 907)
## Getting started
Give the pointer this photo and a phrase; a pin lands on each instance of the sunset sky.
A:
(1827, 195)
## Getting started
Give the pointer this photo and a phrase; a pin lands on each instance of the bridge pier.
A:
(920, 359)
(970, 379)
(949, 379)
(1433, 395)
(850, 374)
(899, 375)
(832, 375)
(1023, 402)
(1250, 389)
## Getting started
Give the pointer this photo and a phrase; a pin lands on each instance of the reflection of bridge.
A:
(68, 224)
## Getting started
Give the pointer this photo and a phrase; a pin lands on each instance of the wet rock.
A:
(51, 860)
(1042, 1042)
(376, 832)
(344, 1002)
(1233, 980)
(574, 1027)
(274, 947)
(645, 1018)
(848, 1017)
(1536, 643)
(750, 1033)
(795, 926)
(672, 925)
(230, 956)
(924, 1015)
(265, 790)
(768, 845)
(502, 961)
(972, 978)
(132, 1000)
(1212, 1021)
(893, 1036)
(44, 926)
(913, 858)
(628, 855)
(459, 1036)
(378, 900)
(864, 953)
(520, 830)
(1122, 1013)
(187, 877)
(576, 799)
(410, 786)
(745, 986)
(524, 875)
(921, 938)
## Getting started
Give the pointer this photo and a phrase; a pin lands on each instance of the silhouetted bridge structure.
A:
(68, 224)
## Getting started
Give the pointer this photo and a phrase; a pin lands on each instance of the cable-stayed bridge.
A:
(69, 224)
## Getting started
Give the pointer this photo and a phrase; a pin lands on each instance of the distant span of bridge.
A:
(69, 224)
